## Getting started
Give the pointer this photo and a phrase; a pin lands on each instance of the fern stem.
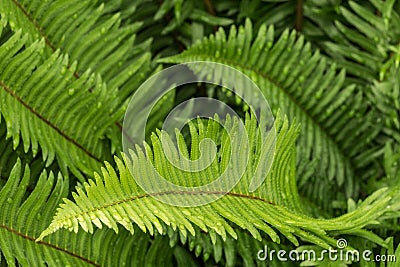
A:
(209, 7)
(299, 16)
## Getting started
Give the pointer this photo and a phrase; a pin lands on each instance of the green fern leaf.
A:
(111, 200)
(44, 104)
(385, 96)
(65, 24)
(366, 44)
(108, 50)
(366, 37)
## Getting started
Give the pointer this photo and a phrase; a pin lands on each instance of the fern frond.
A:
(365, 42)
(44, 103)
(190, 20)
(88, 34)
(385, 96)
(23, 215)
(366, 38)
(301, 83)
(9, 157)
(113, 200)
(391, 250)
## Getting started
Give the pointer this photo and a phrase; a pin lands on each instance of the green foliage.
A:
(68, 69)
(302, 84)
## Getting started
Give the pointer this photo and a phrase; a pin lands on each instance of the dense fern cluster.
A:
(68, 69)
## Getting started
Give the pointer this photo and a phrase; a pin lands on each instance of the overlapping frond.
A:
(117, 199)
(44, 104)
(190, 20)
(365, 39)
(89, 33)
(385, 96)
(9, 157)
(303, 85)
(392, 250)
